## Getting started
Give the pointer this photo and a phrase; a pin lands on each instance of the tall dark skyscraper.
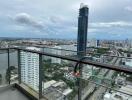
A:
(98, 43)
(82, 30)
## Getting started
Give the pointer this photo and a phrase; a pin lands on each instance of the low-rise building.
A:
(56, 90)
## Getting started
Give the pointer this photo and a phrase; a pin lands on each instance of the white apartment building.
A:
(30, 68)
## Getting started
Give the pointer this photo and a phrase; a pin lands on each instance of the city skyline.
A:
(43, 19)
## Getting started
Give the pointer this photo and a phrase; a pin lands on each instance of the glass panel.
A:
(104, 84)
(3, 67)
(59, 82)
(13, 66)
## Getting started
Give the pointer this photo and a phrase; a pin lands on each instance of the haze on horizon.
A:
(108, 19)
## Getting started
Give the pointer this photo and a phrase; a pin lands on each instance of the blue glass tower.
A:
(98, 43)
(82, 30)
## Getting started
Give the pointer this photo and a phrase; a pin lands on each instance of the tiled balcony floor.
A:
(11, 93)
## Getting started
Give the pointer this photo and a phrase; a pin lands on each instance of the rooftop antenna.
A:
(83, 5)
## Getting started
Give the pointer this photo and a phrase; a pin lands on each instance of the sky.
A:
(108, 19)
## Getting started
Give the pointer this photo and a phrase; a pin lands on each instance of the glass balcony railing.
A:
(4, 67)
(56, 74)
(8, 67)
(13, 66)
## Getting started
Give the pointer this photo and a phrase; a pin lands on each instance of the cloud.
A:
(111, 24)
(32, 24)
(104, 16)
(128, 8)
(26, 19)
(61, 21)
(56, 19)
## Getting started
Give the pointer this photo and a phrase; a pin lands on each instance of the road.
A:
(91, 86)
(97, 95)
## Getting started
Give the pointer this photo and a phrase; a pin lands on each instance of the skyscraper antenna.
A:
(82, 5)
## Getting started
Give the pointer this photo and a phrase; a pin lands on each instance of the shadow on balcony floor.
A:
(11, 93)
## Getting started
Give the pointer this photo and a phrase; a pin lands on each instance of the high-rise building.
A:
(30, 68)
(82, 30)
(82, 36)
(98, 43)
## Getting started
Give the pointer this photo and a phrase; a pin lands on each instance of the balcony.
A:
(41, 74)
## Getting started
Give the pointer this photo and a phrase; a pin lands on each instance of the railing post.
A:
(40, 76)
(9, 72)
(19, 66)
(80, 83)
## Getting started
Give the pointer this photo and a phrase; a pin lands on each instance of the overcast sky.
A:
(108, 19)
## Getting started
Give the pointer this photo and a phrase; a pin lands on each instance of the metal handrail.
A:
(73, 51)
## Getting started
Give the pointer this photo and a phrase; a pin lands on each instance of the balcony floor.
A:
(11, 93)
